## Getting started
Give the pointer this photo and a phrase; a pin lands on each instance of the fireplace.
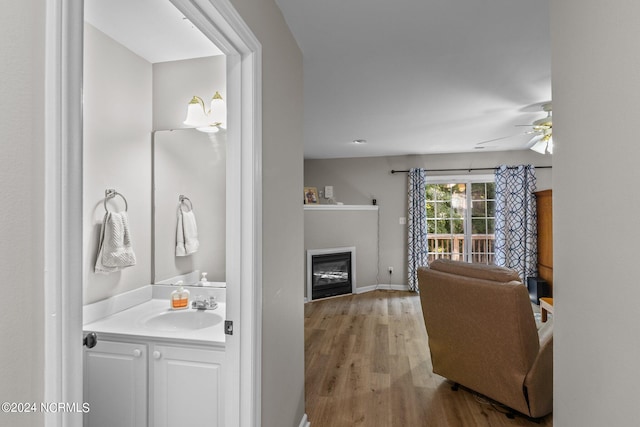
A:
(330, 272)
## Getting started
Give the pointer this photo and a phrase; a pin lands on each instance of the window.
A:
(461, 219)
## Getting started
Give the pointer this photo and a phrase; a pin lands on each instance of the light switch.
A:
(402, 220)
(328, 191)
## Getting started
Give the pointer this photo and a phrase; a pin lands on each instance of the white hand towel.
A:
(114, 251)
(186, 233)
(180, 249)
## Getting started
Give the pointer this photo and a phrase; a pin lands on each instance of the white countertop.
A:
(130, 323)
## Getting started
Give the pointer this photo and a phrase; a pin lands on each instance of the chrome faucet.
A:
(201, 302)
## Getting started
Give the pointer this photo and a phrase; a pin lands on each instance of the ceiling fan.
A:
(542, 142)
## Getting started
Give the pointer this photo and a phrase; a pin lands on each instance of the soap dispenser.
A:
(203, 279)
(180, 297)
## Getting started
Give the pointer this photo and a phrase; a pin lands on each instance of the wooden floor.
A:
(368, 364)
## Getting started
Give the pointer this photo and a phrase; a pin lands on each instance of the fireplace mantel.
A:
(340, 207)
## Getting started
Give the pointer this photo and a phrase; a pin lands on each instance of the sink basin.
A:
(183, 320)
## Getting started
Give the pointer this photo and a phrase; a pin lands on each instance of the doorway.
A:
(63, 159)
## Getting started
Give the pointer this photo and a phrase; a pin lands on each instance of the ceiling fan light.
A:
(540, 146)
(550, 145)
(544, 123)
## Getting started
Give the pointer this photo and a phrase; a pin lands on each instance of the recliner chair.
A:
(483, 336)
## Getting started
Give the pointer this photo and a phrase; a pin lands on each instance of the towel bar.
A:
(110, 194)
(184, 200)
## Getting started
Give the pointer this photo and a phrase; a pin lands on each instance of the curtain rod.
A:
(393, 171)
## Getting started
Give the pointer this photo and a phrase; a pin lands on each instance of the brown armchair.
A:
(483, 336)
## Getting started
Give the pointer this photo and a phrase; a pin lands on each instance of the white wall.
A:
(359, 180)
(596, 105)
(22, 207)
(117, 154)
(282, 221)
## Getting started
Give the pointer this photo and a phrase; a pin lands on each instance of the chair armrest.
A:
(538, 384)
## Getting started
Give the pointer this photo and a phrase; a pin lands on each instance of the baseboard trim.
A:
(362, 290)
(382, 286)
(304, 422)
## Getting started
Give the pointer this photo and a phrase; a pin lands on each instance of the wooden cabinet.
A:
(115, 384)
(545, 235)
(140, 384)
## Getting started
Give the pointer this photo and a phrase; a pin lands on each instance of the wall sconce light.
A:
(203, 120)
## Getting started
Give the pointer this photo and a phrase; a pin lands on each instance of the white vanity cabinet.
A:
(186, 387)
(115, 384)
(153, 384)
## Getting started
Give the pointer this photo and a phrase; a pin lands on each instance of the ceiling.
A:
(420, 76)
(153, 29)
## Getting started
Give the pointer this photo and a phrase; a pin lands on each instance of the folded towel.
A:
(186, 233)
(114, 251)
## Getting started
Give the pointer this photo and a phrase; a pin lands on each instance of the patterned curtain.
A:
(417, 225)
(516, 219)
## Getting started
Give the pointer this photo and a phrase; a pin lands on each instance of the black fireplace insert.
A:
(331, 274)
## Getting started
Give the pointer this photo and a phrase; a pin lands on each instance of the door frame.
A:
(219, 21)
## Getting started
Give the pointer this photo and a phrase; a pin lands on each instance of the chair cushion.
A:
(478, 271)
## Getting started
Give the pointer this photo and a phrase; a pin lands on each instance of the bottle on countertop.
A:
(203, 279)
(180, 297)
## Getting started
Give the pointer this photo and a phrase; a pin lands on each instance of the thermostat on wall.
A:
(328, 191)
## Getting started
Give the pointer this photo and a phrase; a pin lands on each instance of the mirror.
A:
(192, 164)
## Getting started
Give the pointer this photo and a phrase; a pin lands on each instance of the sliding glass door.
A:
(461, 219)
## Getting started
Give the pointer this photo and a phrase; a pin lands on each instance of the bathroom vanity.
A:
(153, 366)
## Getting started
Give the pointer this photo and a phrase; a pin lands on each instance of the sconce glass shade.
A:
(196, 115)
(206, 121)
(218, 111)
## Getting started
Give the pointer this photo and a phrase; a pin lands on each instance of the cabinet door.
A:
(115, 385)
(545, 235)
(187, 387)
